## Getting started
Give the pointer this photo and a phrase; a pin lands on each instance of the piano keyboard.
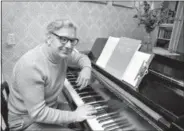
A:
(106, 119)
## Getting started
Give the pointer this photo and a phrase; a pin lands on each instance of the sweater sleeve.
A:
(79, 59)
(30, 82)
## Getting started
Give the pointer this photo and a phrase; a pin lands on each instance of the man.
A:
(38, 78)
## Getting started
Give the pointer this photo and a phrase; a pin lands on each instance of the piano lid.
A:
(97, 49)
(166, 74)
(170, 67)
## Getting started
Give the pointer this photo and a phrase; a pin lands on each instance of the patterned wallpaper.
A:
(27, 22)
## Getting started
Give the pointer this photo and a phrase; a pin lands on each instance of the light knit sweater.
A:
(37, 83)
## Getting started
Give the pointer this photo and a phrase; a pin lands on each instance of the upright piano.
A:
(158, 104)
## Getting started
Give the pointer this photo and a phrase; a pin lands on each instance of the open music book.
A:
(138, 61)
(120, 57)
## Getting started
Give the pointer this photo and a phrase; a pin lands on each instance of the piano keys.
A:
(107, 118)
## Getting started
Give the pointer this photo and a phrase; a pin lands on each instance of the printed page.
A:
(121, 56)
(107, 51)
(134, 66)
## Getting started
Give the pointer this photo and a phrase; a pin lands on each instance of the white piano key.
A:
(81, 93)
(96, 102)
(89, 96)
(107, 122)
(101, 107)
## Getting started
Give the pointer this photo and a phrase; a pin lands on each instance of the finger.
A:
(78, 79)
(89, 107)
(79, 83)
(92, 112)
(82, 84)
(86, 82)
(90, 117)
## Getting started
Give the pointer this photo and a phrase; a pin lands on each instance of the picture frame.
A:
(95, 1)
(126, 4)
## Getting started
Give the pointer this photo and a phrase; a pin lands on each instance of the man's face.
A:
(64, 41)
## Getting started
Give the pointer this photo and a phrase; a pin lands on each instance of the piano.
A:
(158, 104)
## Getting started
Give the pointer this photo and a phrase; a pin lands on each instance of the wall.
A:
(27, 21)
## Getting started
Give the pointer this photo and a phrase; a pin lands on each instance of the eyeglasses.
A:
(63, 39)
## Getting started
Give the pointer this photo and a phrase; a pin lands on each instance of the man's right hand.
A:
(84, 112)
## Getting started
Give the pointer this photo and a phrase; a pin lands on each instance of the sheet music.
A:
(107, 51)
(121, 56)
(134, 67)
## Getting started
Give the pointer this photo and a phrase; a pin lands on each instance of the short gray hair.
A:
(58, 24)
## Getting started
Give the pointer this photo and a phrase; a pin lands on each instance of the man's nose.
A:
(68, 44)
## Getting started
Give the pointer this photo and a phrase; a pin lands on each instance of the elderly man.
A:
(38, 79)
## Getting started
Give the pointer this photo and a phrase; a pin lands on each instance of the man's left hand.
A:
(84, 77)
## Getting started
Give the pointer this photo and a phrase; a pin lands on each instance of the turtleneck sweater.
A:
(37, 82)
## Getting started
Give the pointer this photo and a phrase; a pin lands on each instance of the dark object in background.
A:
(4, 106)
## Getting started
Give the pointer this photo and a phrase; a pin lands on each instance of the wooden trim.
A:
(176, 28)
(95, 1)
(123, 4)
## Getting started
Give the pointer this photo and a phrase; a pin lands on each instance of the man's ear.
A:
(49, 39)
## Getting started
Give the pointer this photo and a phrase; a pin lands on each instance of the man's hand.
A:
(84, 77)
(84, 112)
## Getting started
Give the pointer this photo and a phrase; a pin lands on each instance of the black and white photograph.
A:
(98, 65)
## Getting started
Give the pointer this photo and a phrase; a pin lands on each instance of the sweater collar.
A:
(50, 56)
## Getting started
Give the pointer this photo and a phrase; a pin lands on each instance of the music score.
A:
(121, 58)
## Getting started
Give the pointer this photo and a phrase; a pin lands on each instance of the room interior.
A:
(23, 27)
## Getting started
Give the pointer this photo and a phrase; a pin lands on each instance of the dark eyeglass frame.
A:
(74, 41)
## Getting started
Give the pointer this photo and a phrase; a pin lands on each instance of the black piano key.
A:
(85, 90)
(73, 83)
(70, 76)
(99, 117)
(101, 114)
(73, 80)
(76, 87)
(108, 117)
(103, 110)
(99, 104)
(97, 98)
(88, 94)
